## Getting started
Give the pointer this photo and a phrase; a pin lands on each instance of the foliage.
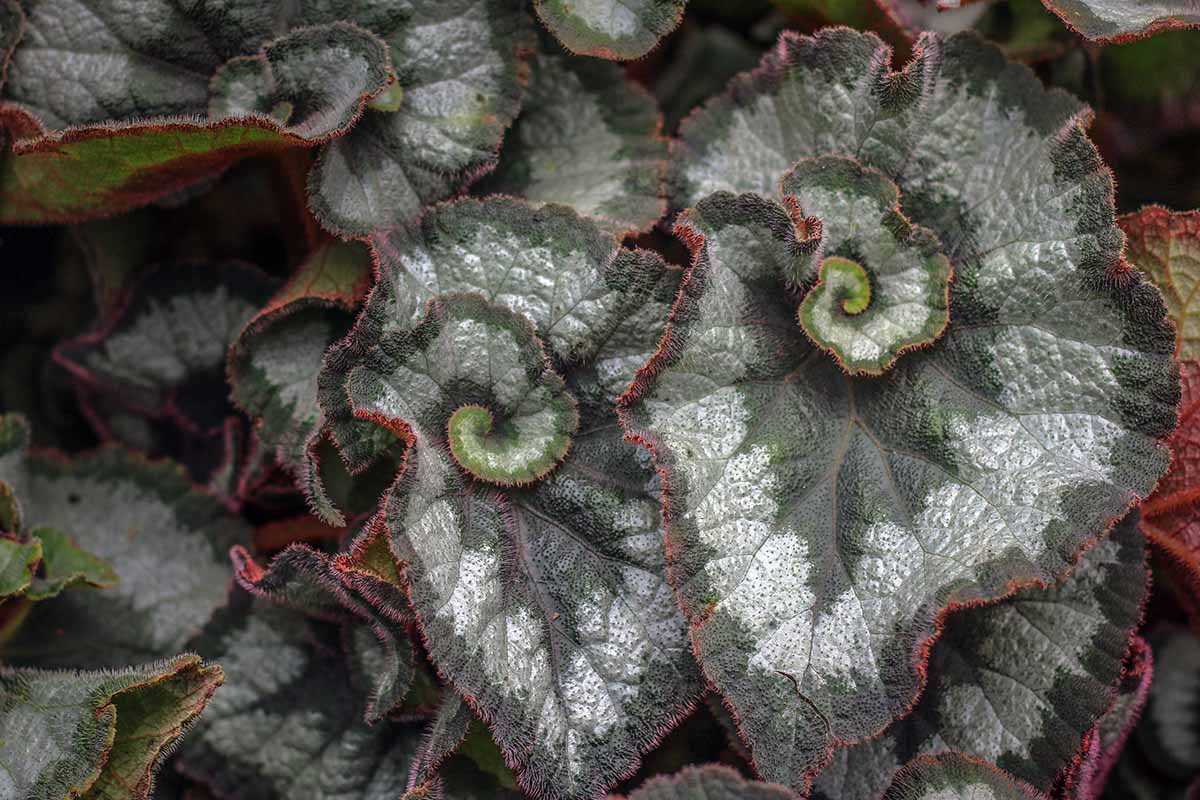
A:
(579, 399)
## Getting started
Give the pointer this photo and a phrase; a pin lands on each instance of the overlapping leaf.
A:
(822, 523)
(458, 758)
(275, 359)
(1106, 743)
(543, 598)
(47, 561)
(1162, 759)
(96, 735)
(1021, 684)
(165, 539)
(133, 115)
(708, 783)
(590, 139)
(1168, 733)
(1166, 247)
(164, 355)
(866, 314)
(1122, 20)
(459, 65)
(616, 29)
(954, 777)
(348, 590)
(143, 109)
(289, 722)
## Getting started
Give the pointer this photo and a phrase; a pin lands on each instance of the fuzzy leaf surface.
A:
(275, 359)
(1122, 20)
(708, 783)
(614, 29)
(588, 299)
(954, 777)
(545, 604)
(165, 539)
(334, 589)
(213, 84)
(460, 66)
(589, 138)
(1107, 742)
(289, 722)
(96, 735)
(1019, 684)
(821, 523)
(165, 354)
(1167, 733)
(442, 81)
(866, 314)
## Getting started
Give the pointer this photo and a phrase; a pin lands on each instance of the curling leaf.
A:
(954, 777)
(708, 783)
(821, 523)
(165, 354)
(289, 722)
(898, 298)
(141, 110)
(275, 359)
(1020, 684)
(589, 300)
(615, 29)
(106, 130)
(590, 139)
(164, 538)
(335, 589)
(1122, 20)
(96, 735)
(64, 563)
(460, 65)
(545, 605)
(444, 735)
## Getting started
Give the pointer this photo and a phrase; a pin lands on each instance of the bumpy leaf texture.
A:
(590, 139)
(1165, 245)
(96, 735)
(822, 523)
(955, 777)
(708, 783)
(164, 353)
(614, 29)
(216, 82)
(165, 539)
(494, 343)
(1122, 20)
(1021, 683)
(289, 720)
